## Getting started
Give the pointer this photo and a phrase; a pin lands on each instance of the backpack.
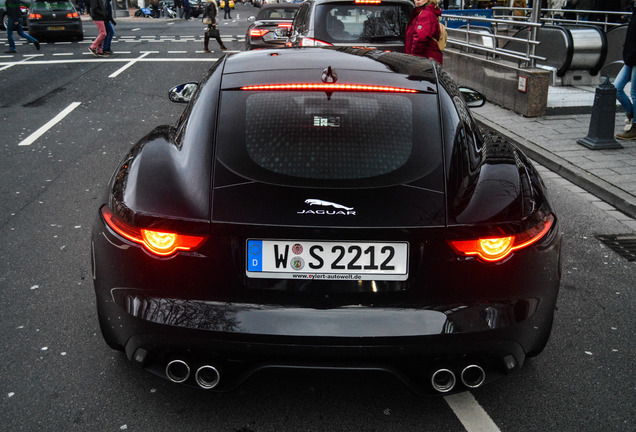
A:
(443, 37)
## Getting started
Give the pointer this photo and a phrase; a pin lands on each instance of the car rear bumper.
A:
(164, 313)
(44, 29)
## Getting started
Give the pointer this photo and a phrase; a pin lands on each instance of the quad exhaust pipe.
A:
(177, 371)
(444, 380)
(473, 376)
(207, 376)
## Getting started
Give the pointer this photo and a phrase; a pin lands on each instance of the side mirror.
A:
(473, 98)
(183, 92)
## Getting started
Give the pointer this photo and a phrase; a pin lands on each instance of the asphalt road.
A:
(56, 373)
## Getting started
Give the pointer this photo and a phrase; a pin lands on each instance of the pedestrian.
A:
(187, 10)
(518, 13)
(423, 32)
(585, 5)
(210, 12)
(178, 8)
(14, 23)
(227, 9)
(98, 15)
(627, 74)
(109, 24)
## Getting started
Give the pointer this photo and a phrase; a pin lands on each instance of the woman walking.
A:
(627, 74)
(209, 18)
(423, 32)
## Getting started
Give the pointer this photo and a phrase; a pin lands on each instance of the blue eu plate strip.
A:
(255, 255)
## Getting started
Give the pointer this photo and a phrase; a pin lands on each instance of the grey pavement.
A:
(551, 140)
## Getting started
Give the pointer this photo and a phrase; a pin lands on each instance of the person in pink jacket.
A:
(422, 31)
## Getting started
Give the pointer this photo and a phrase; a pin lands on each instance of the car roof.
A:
(362, 2)
(415, 72)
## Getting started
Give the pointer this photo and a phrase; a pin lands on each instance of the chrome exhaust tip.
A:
(473, 376)
(207, 377)
(443, 380)
(177, 371)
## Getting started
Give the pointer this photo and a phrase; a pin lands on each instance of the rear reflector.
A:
(159, 243)
(497, 248)
(329, 87)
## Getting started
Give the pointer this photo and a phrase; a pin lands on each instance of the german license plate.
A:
(56, 28)
(327, 260)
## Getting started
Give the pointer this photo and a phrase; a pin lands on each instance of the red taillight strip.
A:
(509, 243)
(368, 1)
(329, 87)
(145, 237)
(258, 32)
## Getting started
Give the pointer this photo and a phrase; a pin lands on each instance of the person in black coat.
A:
(98, 15)
(109, 24)
(627, 74)
(14, 23)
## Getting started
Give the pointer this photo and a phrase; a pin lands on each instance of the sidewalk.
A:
(551, 140)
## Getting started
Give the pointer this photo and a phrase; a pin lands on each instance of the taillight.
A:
(285, 25)
(309, 42)
(258, 32)
(35, 16)
(161, 243)
(368, 1)
(494, 249)
(72, 15)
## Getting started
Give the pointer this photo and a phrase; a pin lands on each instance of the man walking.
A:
(14, 16)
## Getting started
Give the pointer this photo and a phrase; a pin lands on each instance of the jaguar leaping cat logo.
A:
(313, 201)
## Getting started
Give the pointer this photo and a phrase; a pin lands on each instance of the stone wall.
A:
(499, 81)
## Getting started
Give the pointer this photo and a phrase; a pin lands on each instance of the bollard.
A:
(601, 133)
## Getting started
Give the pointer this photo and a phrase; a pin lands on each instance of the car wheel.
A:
(80, 38)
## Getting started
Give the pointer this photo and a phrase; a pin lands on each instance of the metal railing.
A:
(605, 19)
(474, 38)
(467, 37)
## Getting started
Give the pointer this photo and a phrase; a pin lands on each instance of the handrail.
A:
(460, 37)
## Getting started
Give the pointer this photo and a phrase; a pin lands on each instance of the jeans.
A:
(18, 29)
(99, 40)
(627, 74)
(110, 32)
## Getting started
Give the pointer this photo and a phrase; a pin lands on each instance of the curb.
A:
(585, 180)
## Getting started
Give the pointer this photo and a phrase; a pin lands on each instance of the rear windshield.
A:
(348, 22)
(313, 138)
(277, 13)
(53, 5)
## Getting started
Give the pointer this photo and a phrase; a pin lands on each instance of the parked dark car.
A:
(271, 26)
(368, 23)
(24, 7)
(326, 208)
(55, 19)
(196, 8)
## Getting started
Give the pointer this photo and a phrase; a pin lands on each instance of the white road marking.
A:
(38, 133)
(123, 68)
(63, 54)
(26, 59)
(470, 413)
